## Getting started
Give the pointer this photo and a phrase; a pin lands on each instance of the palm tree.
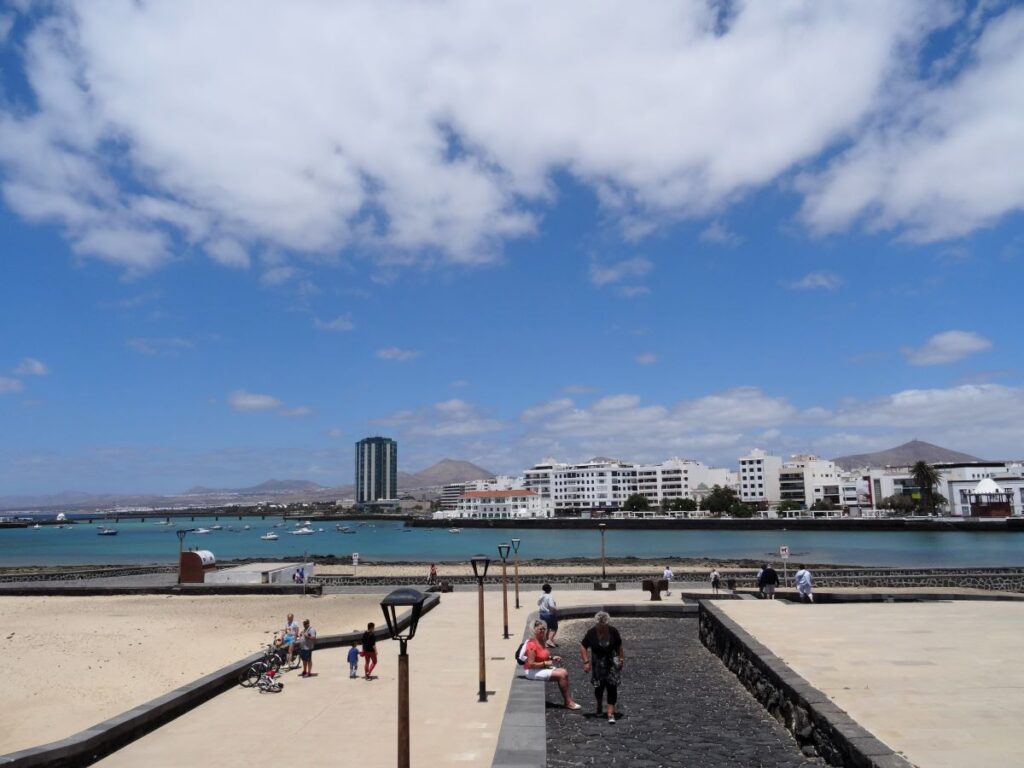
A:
(926, 477)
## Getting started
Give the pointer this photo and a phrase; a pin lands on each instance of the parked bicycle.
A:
(270, 662)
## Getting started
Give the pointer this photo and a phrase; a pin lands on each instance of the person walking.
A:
(432, 578)
(768, 581)
(804, 585)
(307, 641)
(716, 580)
(757, 580)
(540, 664)
(549, 614)
(369, 651)
(353, 661)
(603, 656)
(667, 575)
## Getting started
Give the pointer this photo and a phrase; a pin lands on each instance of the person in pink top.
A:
(540, 664)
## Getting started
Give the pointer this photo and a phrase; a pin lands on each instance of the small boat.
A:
(216, 527)
(245, 527)
(199, 531)
(304, 531)
(36, 527)
(269, 536)
(319, 530)
(343, 529)
(454, 530)
(107, 531)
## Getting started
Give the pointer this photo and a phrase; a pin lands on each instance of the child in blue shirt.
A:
(353, 661)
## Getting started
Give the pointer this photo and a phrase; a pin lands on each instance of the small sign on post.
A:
(355, 564)
(784, 554)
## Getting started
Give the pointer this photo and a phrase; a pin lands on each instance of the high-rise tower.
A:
(376, 469)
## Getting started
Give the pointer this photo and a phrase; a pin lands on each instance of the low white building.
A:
(506, 504)
(759, 478)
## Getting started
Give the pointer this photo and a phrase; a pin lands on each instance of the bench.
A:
(655, 587)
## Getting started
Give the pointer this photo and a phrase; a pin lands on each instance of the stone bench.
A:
(655, 587)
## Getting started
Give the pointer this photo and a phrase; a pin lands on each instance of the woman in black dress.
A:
(603, 656)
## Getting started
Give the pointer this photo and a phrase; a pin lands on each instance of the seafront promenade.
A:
(895, 668)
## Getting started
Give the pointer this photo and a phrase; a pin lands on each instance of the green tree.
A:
(720, 500)
(898, 503)
(664, 504)
(823, 505)
(790, 506)
(926, 477)
(636, 503)
(684, 505)
(740, 509)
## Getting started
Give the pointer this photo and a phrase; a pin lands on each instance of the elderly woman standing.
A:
(540, 664)
(601, 651)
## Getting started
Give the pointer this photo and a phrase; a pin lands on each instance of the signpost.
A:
(784, 554)
(355, 564)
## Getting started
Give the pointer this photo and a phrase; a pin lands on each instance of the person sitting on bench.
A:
(540, 664)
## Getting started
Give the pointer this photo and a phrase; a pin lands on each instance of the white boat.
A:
(303, 531)
(269, 536)
(343, 529)
(245, 527)
(216, 527)
(107, 531)
(199, 531)
(36, 527)
(454, 530)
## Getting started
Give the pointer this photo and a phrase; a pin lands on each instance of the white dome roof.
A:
(988, 485)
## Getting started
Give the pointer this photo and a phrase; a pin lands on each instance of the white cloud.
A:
(228, 253)
(170, 345)
(615, 272)
(6, 23)
(947, 347)
(32, 367)
(396, 354)
(814, 281)
(297, 412)
(9, 386)
(938, 162)
(339, 324)
(717, 232)
(448, 419)
(543, 410)
(278, 275)
(646, 358)
(240, 400)
(408, 134)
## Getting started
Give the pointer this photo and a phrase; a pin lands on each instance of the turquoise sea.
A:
(148, 542)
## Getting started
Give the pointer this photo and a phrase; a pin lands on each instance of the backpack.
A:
(521, 655)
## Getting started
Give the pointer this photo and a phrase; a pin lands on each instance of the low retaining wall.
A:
(92, 744)
(819, 726)
(87, 573)
(192, 590)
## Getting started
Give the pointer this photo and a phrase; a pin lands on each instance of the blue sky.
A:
(238, 238)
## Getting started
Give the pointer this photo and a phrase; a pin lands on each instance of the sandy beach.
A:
(72, 662)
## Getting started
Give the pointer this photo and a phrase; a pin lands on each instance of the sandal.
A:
(574, 705)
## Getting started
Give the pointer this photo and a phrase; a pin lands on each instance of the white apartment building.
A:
(806, 479)
(759, 478)
(956, 482)
(605, 484)
(505, 504)
(451, 492)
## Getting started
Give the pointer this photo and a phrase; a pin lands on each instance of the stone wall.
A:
(819, 726)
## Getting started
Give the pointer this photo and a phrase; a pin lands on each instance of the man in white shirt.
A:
(804, 587)
(291, 636)
(668, 576)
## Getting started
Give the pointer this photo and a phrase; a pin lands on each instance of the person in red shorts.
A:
(369, 651)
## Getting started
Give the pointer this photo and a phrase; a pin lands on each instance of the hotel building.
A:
(376, 470)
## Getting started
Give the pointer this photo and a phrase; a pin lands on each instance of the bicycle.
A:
(270, 662)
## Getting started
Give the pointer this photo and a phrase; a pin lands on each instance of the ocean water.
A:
(147, 542)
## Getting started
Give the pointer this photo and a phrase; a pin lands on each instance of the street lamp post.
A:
(601, 527)
(413, 600)
(515, 548)
(480, 564)
(503, 550)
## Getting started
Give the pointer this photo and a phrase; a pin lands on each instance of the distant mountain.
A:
(904, 455)
(270, 486)
(448, 471)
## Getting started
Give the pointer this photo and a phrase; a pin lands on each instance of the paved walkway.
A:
(940, 682)
(678, 705)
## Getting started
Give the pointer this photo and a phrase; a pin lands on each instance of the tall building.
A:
(376, 469)
(759, 478)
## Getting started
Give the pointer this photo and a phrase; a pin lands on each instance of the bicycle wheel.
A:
(250, 676)
(273, 661)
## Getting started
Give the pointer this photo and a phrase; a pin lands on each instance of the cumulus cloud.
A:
(718, 233)
(398, 355)
(240, 400)
(646, 358)
(947, 347)
(448, 419)
(408, 134)
(9, 386)
(297, 412)
(937, 162)
(31, 367)
(339, 324)
(814, 281)
(615, 272)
